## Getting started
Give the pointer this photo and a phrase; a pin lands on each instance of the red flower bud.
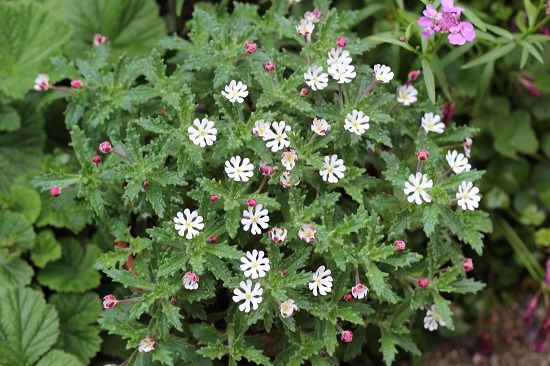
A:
(173, 301)
(468, 264)
(341, 42)
(413, 75)
(55, 191)
(213, 197)
(448, 112)
(346, 336)
(251, 202)
(285, 272)
(213, 239)
(269, 66)
(250, 47)
(347, 297)
(109, 301)
(531, 307)
(423, 282)
(399, 245)
(304, 92)
(105, 147)
(76, 83)
(96, 159)
(145, 184)
(267, 170)
(422, 154)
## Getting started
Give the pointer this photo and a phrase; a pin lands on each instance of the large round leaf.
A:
(59, 358)
(28, 326)
(16, 234)
(29, 37)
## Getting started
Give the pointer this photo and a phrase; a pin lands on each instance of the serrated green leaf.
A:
(46, 248)
(56, 358)
(14, 272)
(16, 234)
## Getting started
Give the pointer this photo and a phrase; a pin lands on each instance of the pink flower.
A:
(359, 291)
(313, 16)
(251, 202)
(468, 264)
(422, 154)
(341, 42)
(446, 21)
(76, 83)
(531, 307)
(96, 159)
(346, 336)
(400, 245)
(213, 197)
(423, 282)
(105, 147)
(147, 345)
(109, 301)
(307, 233)
(347, 297)
(461, 33)
(190, 280)
(467, 146)
(42, 82)
(250, 47)
(55, 191)
(269, 66)
(277, 234)
(99, 39)
(267, 170)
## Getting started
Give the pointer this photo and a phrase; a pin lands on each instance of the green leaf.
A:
(14, 273)
(378, 283)
(74, 272)
(388, 347)
(466, 285)
(542, 237)
(131, 26)
(28, 327)
(429, 79)
(491, 55)
(430, 218)
(9, 119)
(442, 308)
(16, 233)
(26, 201)
(46, 248)
(59, 358)
(34, 37)
(78, 333)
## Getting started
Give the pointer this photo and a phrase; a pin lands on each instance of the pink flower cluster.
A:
(447, 21)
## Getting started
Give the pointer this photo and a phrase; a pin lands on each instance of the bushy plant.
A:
(263, 209)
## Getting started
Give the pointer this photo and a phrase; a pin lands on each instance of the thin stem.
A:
(122, 156)
(264, 181)
(63, 90)
(370, 87)
(392, 109)
(357, 276)
(132, 299)
(341, 96)
(312, 138)
(419, 166)
(443, 175)
(339, 328)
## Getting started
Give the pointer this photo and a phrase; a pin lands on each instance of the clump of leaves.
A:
(154, 168)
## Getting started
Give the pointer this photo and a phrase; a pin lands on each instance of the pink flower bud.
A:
(55, 191)
(399, 245)
(42, 82)
(76, 83)
(528, 83)
(251, 202)
(530, 310)
(413, 75)
(347, 297)
(96, 159)
(547, 280)
(109, 301)
(468, 264)
(267, 170)
(105, 147)
(269, 66)
(147, 345)
(346, 336)
(173, 301)
(99, 39)
(285, 272)
(213, 197)
(423, 282)
(277, 234)
(213, 239)
(304, 92)
(250, 47)
(448, 112)
(422, 154)
(341, 42)
(145, 184)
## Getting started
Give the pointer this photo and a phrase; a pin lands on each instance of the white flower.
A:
(457, 162)
(204, 133)
(288, 159)
(468, 146)
(254, 264)
(249, 295)
(305, 28)
(315, 78)
(322, 281)
(416, 187)
(307, 233)
(383, 73)
(237, 171)
(235, 91)
(278, 138)
(338, 56)
(255, 217)
(359, 291)
(333, 169)
(190, 281)
(342, 73)
(288, 308)
(432, 123)
(261, 128)
(407, 95)
(277, 234)
(42, 82)
(188, 221)
(433, 320)
(147, 345)
(357, 122)
(468, 196)
(320, 126)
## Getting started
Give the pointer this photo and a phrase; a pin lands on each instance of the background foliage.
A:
(50, 257)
